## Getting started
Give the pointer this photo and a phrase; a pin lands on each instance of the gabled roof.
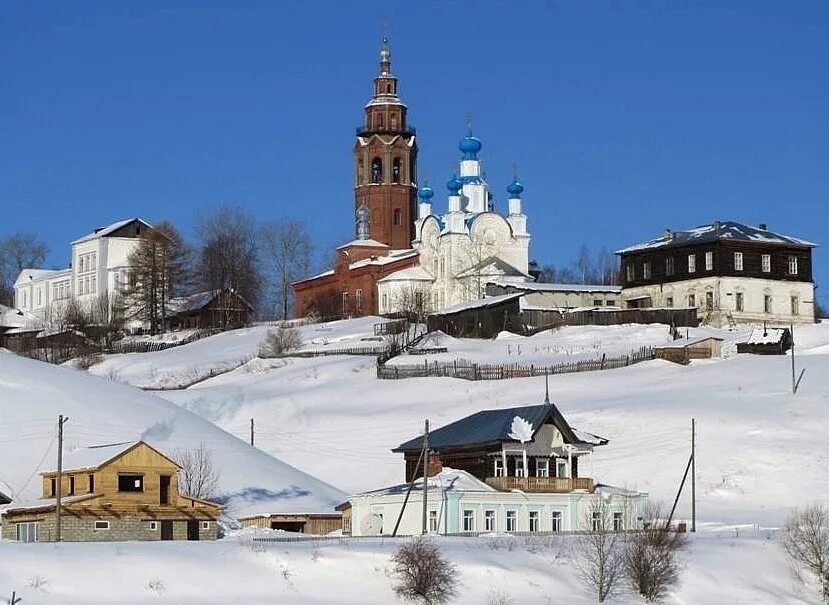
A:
(194, 302)
(365, 243)
(416, 273)
(719, 231)
(109, 229)
(96, 456)
(490, 427)
(766, 336)
(32, 275)
(447, 479)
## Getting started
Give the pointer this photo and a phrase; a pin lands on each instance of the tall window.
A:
(669, 266)
(519, 468)
(709, 261)
(433, 521)
(542, 467)
(512, 520)
(766, 263)
(345, 303)
(468, 520)
(397, 216)
(738, 261)
(767, 303)
(617, 522)
(596, 522)
(795, 302)
(556, 521)
(738, 301)
(692, 300)
(499, 467)
(631, 272)
(792, 265)
(376, 170)
(489, 520)
(561, 469)
(358, 300)
(534, 525)
(646, 270)
(692, 263)
(385, 301)
(396, 169)
(709, 300)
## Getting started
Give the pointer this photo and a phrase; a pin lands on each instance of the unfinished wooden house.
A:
(114, 492)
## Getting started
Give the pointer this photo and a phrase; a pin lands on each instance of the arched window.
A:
(388, 87)
(397, 216)
(376, 170)
(396, 169)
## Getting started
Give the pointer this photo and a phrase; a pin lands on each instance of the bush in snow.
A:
(599, 553)
(87, 361)
(279, 341)
(805, 538)
(499, 597)
(651, 558)
(422, 574)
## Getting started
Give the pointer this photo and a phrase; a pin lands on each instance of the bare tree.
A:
(108, 316)
(422, 574)
(198, 477)
(287, 255)
(651, 557)
(805, 538)
(17, 252)
(228, 253)
(599, 553)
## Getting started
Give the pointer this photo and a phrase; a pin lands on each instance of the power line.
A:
(39, 464)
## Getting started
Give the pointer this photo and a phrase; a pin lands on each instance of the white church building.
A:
(463, 248)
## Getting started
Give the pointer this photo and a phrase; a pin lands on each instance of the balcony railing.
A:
(541, 484)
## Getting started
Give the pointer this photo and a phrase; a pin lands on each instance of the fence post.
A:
(396, 372)
(601, 367)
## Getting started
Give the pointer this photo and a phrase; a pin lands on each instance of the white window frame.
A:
(618, 522)
(738, 261)
(498, 467)
(358, 299)
(512, 520)
(765, 263)
(709, 261)
(709, 300)
(490, 520)
(692, 263)
(26, 531)
(433, 521)
(104, 525)
(561, 463)
(692, 300)
(646, 270)
(205, 525)
(596, 521)
(556, 520)
(468, 519)
(542, 467)
(345, 303)
(669, 266)
(520, 471)
(534, 521)
(792, 265)
(153, 525)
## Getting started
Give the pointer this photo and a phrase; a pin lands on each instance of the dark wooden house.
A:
(767, 341)
(483, 318)
(223, 309)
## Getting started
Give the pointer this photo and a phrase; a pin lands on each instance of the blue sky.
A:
(623, 117)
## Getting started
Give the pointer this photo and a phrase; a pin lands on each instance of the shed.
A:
(683, 351)
(767, 341)
(223, 308)
(483, 318)
(318, 524)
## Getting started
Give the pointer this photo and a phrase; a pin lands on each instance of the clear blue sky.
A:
(624, 117)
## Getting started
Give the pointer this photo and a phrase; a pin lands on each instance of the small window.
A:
(767, 303)
(433, 521)
(499, 467)
(596, 522)
(489, 520)
(91, 483)
(692, 263)
(738, 261)
(153, 525)
(669, 301)
(130, 483)
(766, 263)
(556, 518)
(561, 469)
(709, 300)
(53, 487)
(542, 467)
(597, 302)
(468, 520)
(709, 261)
(610, 303)
(738, 301)
(397, 215)
(345, 303)
(71, 485)
(205, 524)
(792, 265)
(101, 525)
(646, 270)
(512, 520)
(534, 525)
(617, 522)
(27, 531)
(669, 266)
(631, 272)
(692, 300)
(795, 302)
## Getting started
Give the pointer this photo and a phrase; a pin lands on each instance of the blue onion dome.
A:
(470, 146)
(454, 185)
(425, 193)
(515, 188)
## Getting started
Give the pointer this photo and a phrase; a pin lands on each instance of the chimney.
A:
(435, 464)
(668, 234)
(762, 226)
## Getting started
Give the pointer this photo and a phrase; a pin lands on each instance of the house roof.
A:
(194, 302)
(31, 275)
(766, 336)
(541, 287)
(366, 243)
(391, 257)
(109, 229)
(416, 273)
(498, 267)
(481, 303)
(448, 478)
(494, 426)
(719, 231)
(95, 456)
(46, 503)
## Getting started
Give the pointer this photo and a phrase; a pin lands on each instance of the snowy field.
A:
(721, 569)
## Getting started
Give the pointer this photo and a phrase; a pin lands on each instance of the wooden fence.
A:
(475, 371)
(149, 346)
(373, 351)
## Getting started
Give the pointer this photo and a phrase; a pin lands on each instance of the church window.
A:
(388, 87)
(396, 170)
(358, 299)
(397, 217)
(376, 170)
(345, 303)
(393, 121)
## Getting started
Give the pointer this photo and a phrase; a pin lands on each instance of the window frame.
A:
(618, 522)
(793, 265)
(100, 525)
(669, 266)
(794, 302)
(153, 525)
(596, 521)
(520, 461)
(124, 476)
(738, 261)
(534, 521)
(692, 300)
(556, 520)
(692, 263)
(490, 520)
(768, 303)
(739, 301)
(709, 261)
(468, 520)
(630, 272)
(765, 263)
(512, 519)
(646, 270)
(498, 468)
(542, 465)
(28, 534)
(205, 525)
(433, 521)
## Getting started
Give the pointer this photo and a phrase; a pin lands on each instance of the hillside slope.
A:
(33, 394)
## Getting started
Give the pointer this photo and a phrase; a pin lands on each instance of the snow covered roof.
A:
(541, 287)
(109, 229)
(446, 479)
(391, 257)
(194, 302)
(719, 231)
(494, 426)
(492, 265)
(766, 336)
(682, 342)
(366, 243)
(481, 303)
(27, 275)
(46, 503)
(416, 273)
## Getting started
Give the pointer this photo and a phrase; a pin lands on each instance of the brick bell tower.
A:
(385, 157)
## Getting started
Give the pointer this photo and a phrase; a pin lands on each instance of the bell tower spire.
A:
(385, 155)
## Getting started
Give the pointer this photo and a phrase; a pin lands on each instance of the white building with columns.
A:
(463, 248)
(99, 266)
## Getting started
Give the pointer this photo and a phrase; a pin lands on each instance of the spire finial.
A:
(385, 52)
(514, 170)
(469, 122)
(546, 387)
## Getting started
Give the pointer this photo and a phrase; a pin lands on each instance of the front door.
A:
(192, 530)
(166, 530)
(164, 490)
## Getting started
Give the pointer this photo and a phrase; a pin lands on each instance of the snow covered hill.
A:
(33, 394)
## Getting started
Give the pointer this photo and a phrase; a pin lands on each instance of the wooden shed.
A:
(483, 318)
(683, 351)
(224, 308)
(318, 524)
(767, 341)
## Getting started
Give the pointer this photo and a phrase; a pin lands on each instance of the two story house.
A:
(114, 492)
(521, 469)
(733, 273)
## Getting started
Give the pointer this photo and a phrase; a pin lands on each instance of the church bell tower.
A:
(385, 158)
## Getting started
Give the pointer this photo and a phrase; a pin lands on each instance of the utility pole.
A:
(425, 476)
(251, 432)
(693, 475)
(59, 481)
(794, 380)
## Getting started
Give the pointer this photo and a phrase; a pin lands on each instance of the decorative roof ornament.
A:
(469, 145)
(385, 56)
(454, 185)
(425, 193)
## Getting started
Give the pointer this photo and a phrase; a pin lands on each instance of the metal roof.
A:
(494, 426)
